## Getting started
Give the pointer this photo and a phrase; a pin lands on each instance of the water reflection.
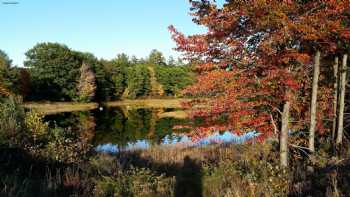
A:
(116, 129)
(180, 140)
(80, 123)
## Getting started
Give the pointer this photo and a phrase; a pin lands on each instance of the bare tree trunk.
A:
(342, 101)
(314, 102)
(284, 135)
(335, 96)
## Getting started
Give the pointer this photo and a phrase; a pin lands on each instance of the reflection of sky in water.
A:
(182, 140)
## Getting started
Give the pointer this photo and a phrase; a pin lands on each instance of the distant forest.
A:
(55, 72)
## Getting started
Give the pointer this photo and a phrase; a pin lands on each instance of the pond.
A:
(117, 129)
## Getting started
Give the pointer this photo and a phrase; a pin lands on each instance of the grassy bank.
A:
(225, 170)
(213, 171)
(148, 103)
(59, 107)
(178, 114)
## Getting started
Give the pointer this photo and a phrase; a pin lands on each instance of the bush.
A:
(35, 125)
(12, 123)
(135, 182)
(252, 173)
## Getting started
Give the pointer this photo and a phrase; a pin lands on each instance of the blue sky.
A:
(102, 27)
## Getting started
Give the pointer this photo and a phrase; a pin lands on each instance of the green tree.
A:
(55, 73)
(10, 77)
(117, 74)
(139, 83)
(156, 58)
(174, 78)
(120, 65)
(54, 70)
(5, 61)
(122, 60)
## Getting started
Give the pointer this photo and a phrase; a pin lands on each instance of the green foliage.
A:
(135, 182)
(138, 81)
(12, 77)
(117, 69)
(35, 125)
(55, 75)
(28, 131)
(156, 58)
(54, 69)
(115, 181)
(12, 123)
(233, 175)
(174, 78)
(137, 125)
(55, 72)
(5, 61)
(114, 127)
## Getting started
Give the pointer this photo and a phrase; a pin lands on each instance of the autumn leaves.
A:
(280, 54)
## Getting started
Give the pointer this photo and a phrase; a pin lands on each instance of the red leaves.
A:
(270, 43)
(195, 44)
(345, 33)
(293, 55)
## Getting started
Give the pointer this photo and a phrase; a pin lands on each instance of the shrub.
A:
(35, 125)
(12, 126)
(63, 146)
(135, 182)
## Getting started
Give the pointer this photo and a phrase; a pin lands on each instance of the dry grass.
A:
(179, 114)
(176, 153)
(59, 107)
(148, 103)
(215, 170)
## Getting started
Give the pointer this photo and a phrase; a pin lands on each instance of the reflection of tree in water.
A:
(110, 126)
(82, 124)
(164, 127)
(86, 126)
(137, 125)
(113, 127)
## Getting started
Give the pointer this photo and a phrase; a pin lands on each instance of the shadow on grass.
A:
(21, 174)
(188, 174)
(331, 180)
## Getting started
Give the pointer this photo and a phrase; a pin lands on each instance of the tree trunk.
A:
(342, 101)
(335, 97)
(284, 135)
(314, 102)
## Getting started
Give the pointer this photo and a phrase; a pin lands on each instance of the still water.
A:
(114, 130)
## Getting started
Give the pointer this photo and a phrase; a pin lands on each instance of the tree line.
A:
(54, 72)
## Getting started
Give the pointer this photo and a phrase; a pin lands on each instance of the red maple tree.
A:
(255, 56)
